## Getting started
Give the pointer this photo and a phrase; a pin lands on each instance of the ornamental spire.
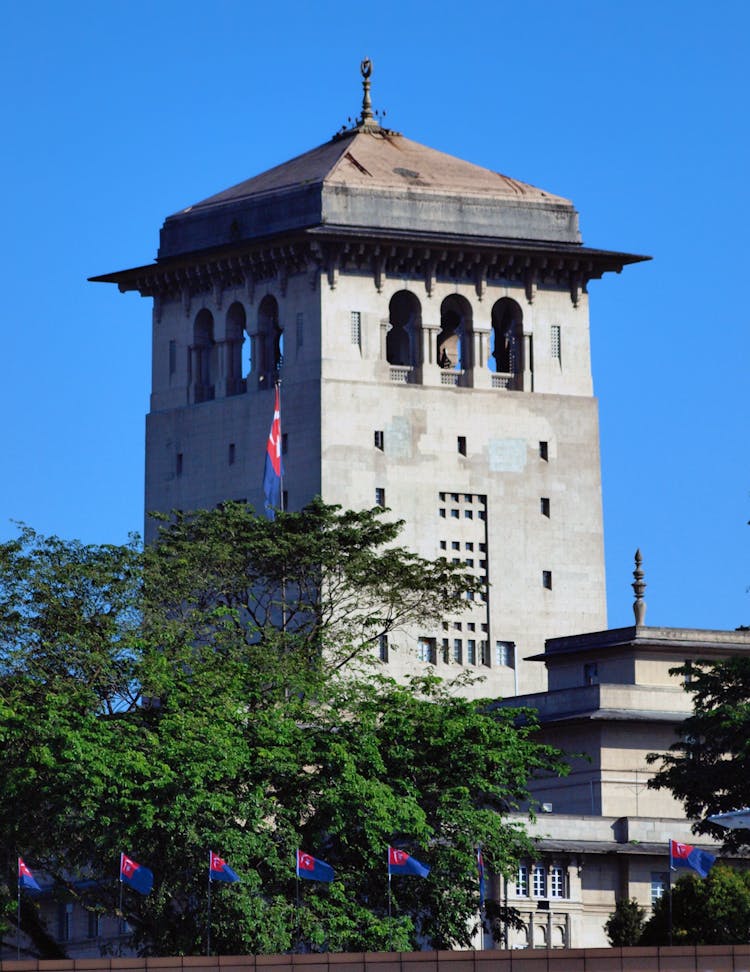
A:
(639, 586)
(366, 117)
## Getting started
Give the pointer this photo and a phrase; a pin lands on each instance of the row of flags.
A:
(309, 868)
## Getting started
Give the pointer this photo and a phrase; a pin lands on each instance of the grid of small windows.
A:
(557, 887)
(539, 881)
(522, 881)
(554, 341)
(356, 328)
(504, 654)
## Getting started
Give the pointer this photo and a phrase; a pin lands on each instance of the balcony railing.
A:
(401, 375)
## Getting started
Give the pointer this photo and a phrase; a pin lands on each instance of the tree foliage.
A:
(709, 767)
(625, 925)
(219, 691)
(705, 911)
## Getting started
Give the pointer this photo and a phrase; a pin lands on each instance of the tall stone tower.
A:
(428, 321)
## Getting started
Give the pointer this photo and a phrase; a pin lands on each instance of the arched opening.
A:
(270, 342)
(453, 338)
(405, 317)
(235, 339)
(506, 340)
(204, 357)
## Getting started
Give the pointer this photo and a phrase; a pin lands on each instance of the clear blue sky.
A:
(116, 115)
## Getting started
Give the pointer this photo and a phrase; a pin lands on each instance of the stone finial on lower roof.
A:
(639, 586)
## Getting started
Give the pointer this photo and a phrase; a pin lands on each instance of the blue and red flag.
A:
(399, 862)
(25, 878)
(273, 469)
(135, 875)
(685, 855)
(480, 869)
(219, 870)
(311, 869)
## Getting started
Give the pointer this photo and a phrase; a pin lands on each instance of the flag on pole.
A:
(219, 870)
(136, 876)
(401, 863)
(25, 878)
(480, 869)
(273, 470)
(311, 869)
(685, 855)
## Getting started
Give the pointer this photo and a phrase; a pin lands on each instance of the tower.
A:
(428, 320)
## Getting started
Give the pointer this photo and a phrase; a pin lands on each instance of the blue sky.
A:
(116, 115)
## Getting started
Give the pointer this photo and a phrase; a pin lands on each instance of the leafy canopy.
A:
(219, 690)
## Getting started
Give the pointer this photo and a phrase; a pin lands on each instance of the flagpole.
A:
(18, 912)
(120, 879)
(669, 903)
(208, 926)
(390, 926)
(281, 449)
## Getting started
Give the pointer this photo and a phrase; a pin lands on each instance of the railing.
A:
(501, 379)
(451, 377)
(400, 374)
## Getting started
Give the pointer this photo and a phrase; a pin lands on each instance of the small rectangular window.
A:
(383, 647)
(356, 328)
(458, 653)
(426, 650)
(442, 497)
(544, 506)
(504, 652)
(539, 881)
(554, 340)
(442, 513)
(471, 651)
(469, 514)
(172, 358)
(454, 497)
(94, 923)
(461, 445)
(544, 451)
(284, 443)
(591, 673)
(557, 882)
(522, 881)
(454, 514)
(178, 464)
(484, 649)
(300, 330)
(455, 545)
(469, 498)
(659, 885)
(232, 453)
(547, 579)
(378, 439)
(446, 651)
(469, 545)
(379, 496)
(470, 626)
(443, 545)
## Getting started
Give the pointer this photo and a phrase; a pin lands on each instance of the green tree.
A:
(625, 925)
(219, 691)
(705, 911)
(708, 768)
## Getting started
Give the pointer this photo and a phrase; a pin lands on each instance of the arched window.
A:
(402, 341)
(270, 342)
(235, 338)
(455, 327)
(203, 357)
(506, 341)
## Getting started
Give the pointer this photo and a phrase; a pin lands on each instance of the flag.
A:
(273, 470)
(399, 862)
(685, 855)
(26, 878)
(219, 870)
(311, 869)
(136, 876)
(480, 869)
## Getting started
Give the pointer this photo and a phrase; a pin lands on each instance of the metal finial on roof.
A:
(366, 68)
(639, 586)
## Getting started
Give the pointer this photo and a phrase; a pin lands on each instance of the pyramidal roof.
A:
(377, 159)
(369, 178)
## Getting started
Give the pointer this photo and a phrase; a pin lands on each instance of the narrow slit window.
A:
(379, 496)
(383, 647)
(378, 439)
(461, 444)
(554, 340)
(232, 453)
(284, 443)
(547, 579)
(544, 506)
(356, 328)
(172, 358)
(179, 464)
(544, 451)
